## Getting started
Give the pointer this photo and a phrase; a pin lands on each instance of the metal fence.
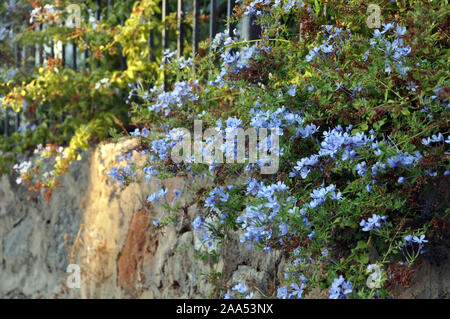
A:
(71, 58)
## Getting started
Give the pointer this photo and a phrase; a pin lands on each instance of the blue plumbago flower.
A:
(400, 30)
(387, 27)
(156, 223)
(167, 55)
(306, 131)
(283, 229)
(377, 167)
(228, 296)
(419, 240)
(124, 157)
(236, 61)
(252, 186)
(430, 173)
(185, 63)
(303, 167)
(311, 235)
(149, 172)
(333, 43)
(292, 90)
(372, 223)
(181, 93)
(114, 173)
(337, 140)
(408, 238)
(218, 39)
(161, 148)
(156, 196)
(361, 168)
(409, 247)
(215, 195)
(282, 292)
(404, 160)
(276, 119)
(289, 4)
(412, 86)
(249, 296)
(366, 55)
(340, 288)
(233, 122)
(319, 195)
(368, 188)
(121, 174)
(394, 51)
(401, 180)
(241, 288)
(297, 291)
(253, 222)
(136, 133)
(145, 132)
(198, 223)
(356, 89)
(176, 192)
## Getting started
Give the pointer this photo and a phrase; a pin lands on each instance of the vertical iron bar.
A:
(16, 121)
(123, 59)
(33, 62)
(212, 20)
(250, 30)
(6, 122)
(86, 56)
(99, 10)
(52, 49)
(74, 48)
(230, 7)
(98, 16)
(195, 27)
(108, 11)
(41, 49)
(165, 31)
(64, 53)
(151, 40)
(180, 28)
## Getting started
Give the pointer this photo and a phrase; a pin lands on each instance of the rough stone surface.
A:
(108, 232)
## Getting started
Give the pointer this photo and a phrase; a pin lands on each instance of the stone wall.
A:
(109, 233)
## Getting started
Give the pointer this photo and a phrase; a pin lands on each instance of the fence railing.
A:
(70, 57)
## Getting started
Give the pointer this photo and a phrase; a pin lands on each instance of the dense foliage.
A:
(362, 117)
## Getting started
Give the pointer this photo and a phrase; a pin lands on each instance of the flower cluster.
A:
(340, 288)
(373, 222)
(155, 197)
(122, 174)
(293, 291)
(218, 194)
(164, 101)
(335, 40)
(240, 288)
(394, 51)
